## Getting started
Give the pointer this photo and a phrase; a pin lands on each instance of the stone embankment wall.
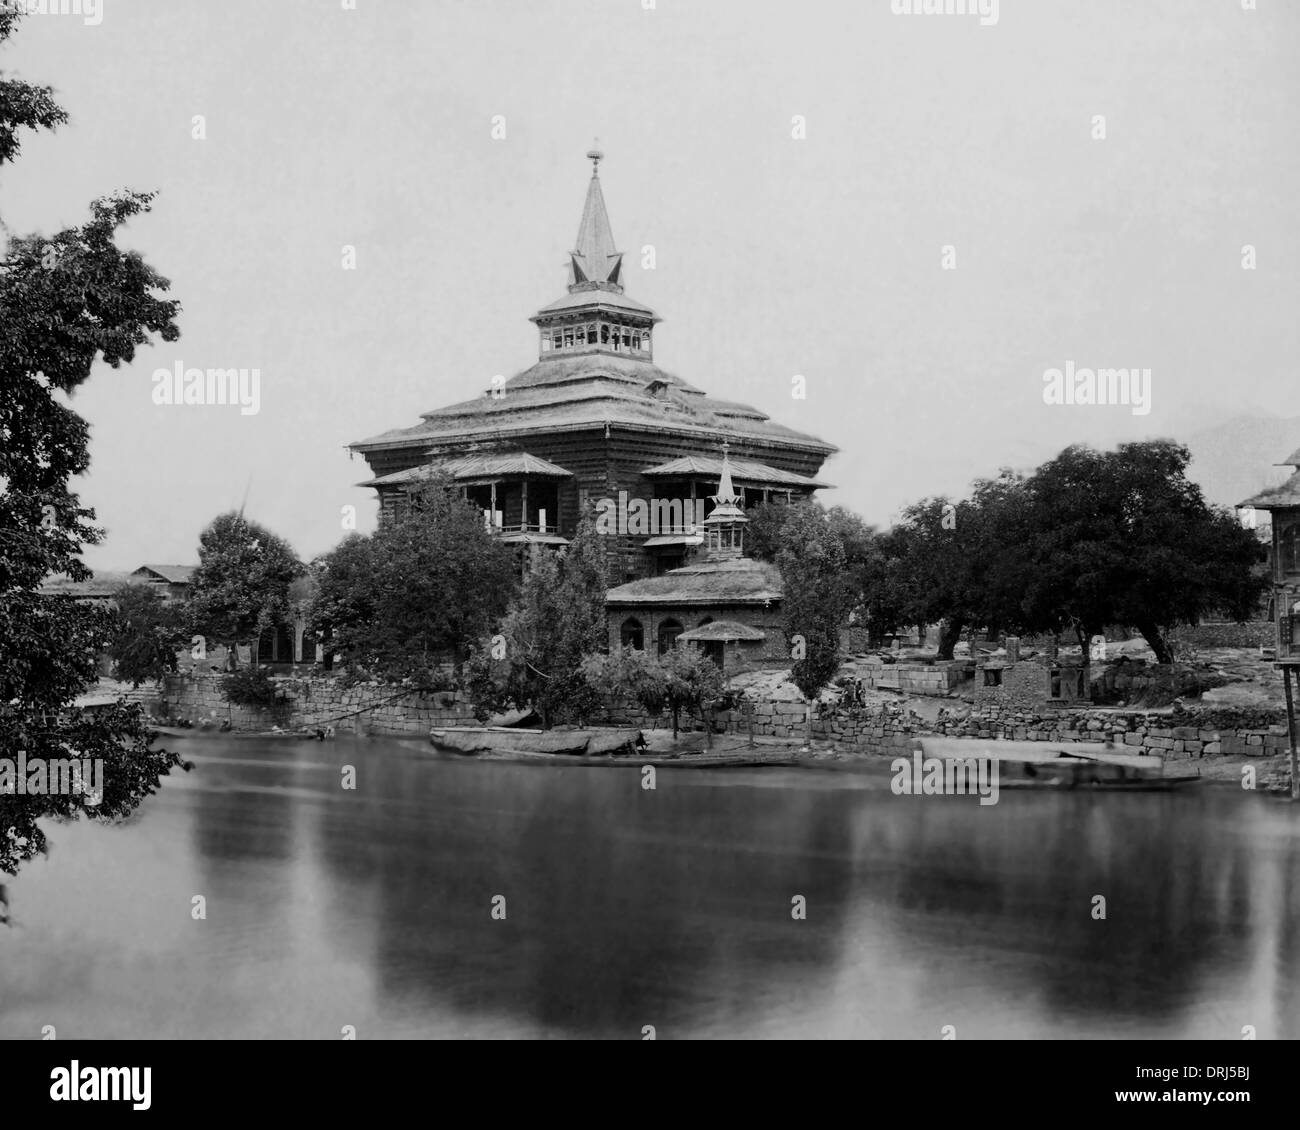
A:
(882, 729)
(890, 727)
(315, 702)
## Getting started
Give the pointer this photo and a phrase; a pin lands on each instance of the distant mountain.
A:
(1234, 459)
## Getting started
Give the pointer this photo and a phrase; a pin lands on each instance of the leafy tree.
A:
(776, 526)
(241, 587)
(343, 601)
(1124, 537)
(1088, 540)
(251, 686)
(147, 633)
(950, 563)
(416, 593)
(817, 594)
(555, 622)
(683, 678)
(765, 533)
(66, 302)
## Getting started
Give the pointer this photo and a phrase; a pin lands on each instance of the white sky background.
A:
(775, 257)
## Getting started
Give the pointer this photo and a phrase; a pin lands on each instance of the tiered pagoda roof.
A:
(590, 378)
(590, 391)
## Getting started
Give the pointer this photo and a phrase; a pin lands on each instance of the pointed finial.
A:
(595, 156)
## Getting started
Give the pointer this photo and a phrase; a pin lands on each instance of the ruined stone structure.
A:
(1042, 683)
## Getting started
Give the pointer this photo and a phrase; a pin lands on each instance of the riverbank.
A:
(692, 751)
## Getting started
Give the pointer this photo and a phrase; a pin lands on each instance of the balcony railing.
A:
(499, 527)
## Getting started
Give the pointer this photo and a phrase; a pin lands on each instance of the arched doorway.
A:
(669, 630)
(631, 634)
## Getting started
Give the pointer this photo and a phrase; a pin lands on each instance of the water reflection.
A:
(627, 907)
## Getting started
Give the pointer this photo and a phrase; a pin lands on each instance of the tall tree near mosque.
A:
(417, 593)
(951, 563)
(770, 530)
(817, 595)
(1124, 537)
(147, 633)
(557, 620)
(241, 587)
(67, 301)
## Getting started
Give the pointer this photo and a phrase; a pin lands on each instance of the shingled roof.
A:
(1279, 497)
(589, 391)
(738, 580)
(172, 574)
(475, 467)
(745, 470)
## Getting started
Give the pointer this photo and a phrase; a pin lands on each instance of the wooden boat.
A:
(594, 747)
(473, 740)
(1067, 765)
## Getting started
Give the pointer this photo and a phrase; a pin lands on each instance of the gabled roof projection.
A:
(1281, 497)
(475, 467)
(1277, 498)
(745, 470)
(173, 574)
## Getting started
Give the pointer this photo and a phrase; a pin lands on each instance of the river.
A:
(626, 908)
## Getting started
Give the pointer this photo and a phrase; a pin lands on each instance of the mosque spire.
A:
(594, 264)
(724, 527)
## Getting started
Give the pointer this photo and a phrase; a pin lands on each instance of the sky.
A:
(798, 170)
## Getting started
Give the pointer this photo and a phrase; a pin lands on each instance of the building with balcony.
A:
(1283, 505)
(596, 426)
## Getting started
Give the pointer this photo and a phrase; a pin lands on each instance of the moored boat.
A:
(473, 740)
(1064, 765)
